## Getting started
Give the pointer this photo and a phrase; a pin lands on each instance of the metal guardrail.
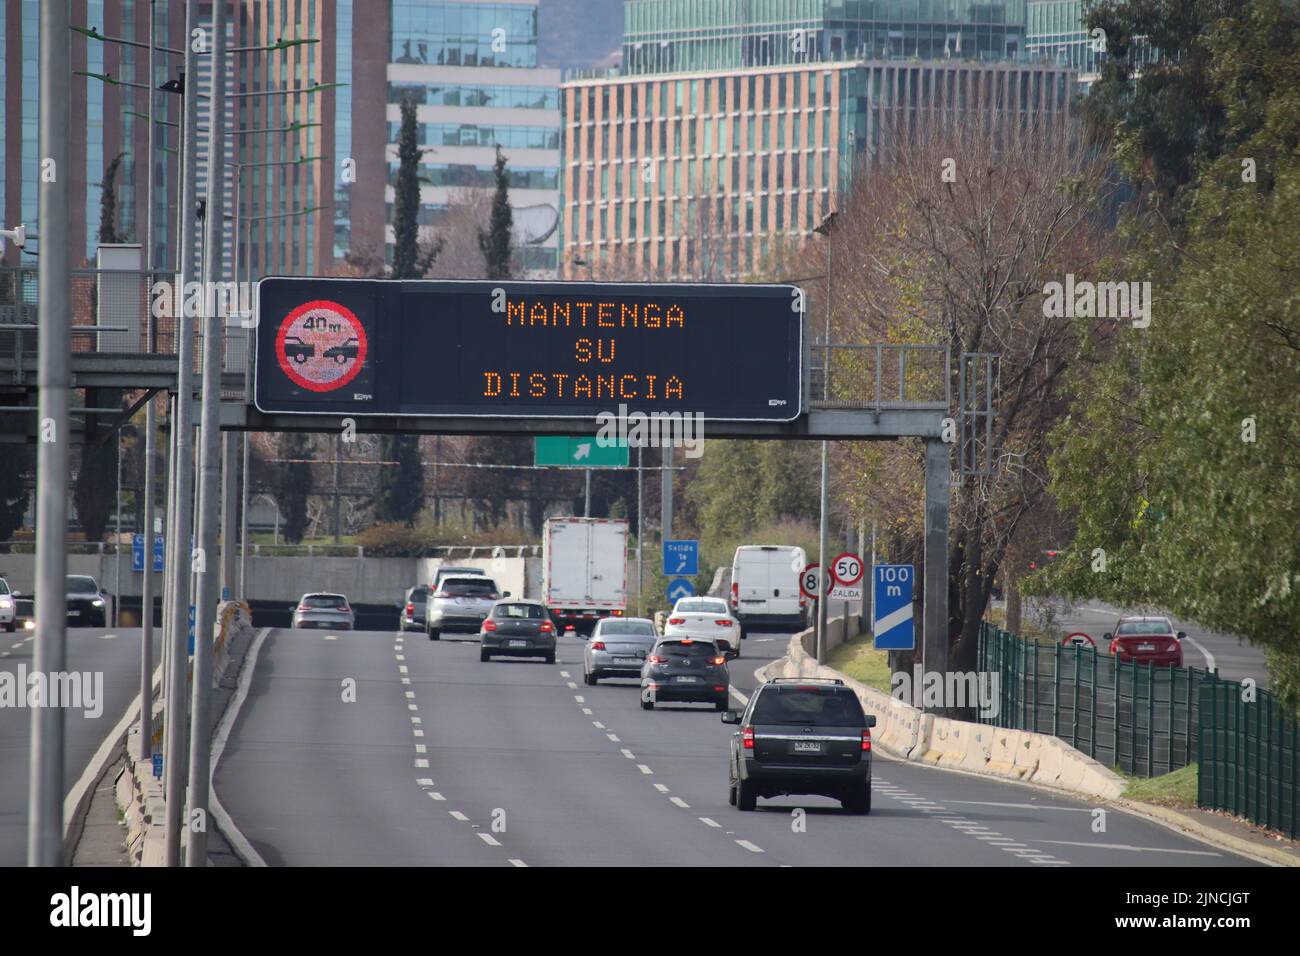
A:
(880, 376)
(1248, 753)
(1139, 718)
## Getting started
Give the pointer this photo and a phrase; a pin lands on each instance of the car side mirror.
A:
(871, 720)
(730, 717)
(1106, 636)
(1182, 635)
(505, 594)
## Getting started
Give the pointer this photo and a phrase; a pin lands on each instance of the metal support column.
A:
(824, 585)
(937, 480)
(229, 476)
(666, 496)
(150, 431)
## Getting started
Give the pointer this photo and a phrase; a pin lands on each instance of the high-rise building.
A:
(471, 69)
(735, 125)
(1057, 33)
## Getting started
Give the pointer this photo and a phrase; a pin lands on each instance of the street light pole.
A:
(179, 553)
(196, 845)
(823, 586)
(54, 281)
(150, 453)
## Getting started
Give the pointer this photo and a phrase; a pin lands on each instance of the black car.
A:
(413, 608)
(87, 602)
(801, 735)
(687, 671)
(341, 353)
(517, 629)
(298, 350)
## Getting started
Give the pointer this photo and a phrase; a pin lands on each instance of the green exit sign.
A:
(561, 452)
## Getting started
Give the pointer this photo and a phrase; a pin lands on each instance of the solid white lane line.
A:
(744, 701)
(459, 816)
(1209, 658)
(749, 846)
(680, 802)
(489, 839)
(1129, 848)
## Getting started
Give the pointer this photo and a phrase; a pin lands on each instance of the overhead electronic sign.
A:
(528, 349)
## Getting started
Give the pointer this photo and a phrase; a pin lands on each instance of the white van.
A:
(765, 587)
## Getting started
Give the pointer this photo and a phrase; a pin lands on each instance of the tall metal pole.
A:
(117, 548)
(229, 477)
(666, 497)
(196, 845)
(45, 783)
(640, 535)
(150, 430)
(243, 524)
(824, 585)
(937, 492)
(180, 545)
(586, 498)
(338, 499)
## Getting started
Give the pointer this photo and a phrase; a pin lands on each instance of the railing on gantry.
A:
(879, 375)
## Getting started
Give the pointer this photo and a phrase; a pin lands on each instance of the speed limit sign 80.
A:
(810, 580)
(847, 569)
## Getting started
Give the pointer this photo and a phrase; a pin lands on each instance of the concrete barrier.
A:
(905, 732)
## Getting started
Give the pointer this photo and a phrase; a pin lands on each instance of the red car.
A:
(1147, 640)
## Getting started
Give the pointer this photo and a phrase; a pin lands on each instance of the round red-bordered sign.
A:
(852, 562)
(809, 574)
(1070, 639)
(321, 345)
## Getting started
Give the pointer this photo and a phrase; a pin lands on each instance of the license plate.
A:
(687, 680)
(627, 660)
(74, 614)
(518, 643)
(807, 746)
(1146, 647)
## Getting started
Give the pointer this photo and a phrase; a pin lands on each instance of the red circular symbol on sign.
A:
(810, 580)
(1078, 637)
(321, 345)
(847, 569)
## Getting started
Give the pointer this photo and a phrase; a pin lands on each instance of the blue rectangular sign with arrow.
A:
(894, 624)
(681, 557)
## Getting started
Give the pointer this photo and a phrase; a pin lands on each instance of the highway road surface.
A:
(444, 760)
(114, 653)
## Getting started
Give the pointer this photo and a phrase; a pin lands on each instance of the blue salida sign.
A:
(137, 552)
(894, 624)
(681, 557)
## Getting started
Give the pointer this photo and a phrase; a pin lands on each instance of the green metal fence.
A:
(1136, 717)
(1248, 752)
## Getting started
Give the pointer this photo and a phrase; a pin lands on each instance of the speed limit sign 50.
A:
(810, 580)
(847, 569)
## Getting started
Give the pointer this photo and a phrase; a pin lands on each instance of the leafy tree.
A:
(293, 483)
(108, 203)
(411, 260)
(15, 465)
(496, 241)
(400, 496)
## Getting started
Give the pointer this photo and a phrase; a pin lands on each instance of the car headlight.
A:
(29, 625)
(98, 602)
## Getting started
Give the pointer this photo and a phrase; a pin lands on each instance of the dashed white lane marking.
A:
(1128, 847)
(572, 686)
(400, 657)
(1021, 806)
(749, 846)
(598, 724)
(710, 822)
(421, 749)
(489, 839)
(401, 668)
(587, 711)
(456, 814)
(661, 788)
(518, 863)
(973, 828)
(107, 637)
(417, 720)
(579, 698)
(613, 738)
(412, 706)
(680, 802)
(564, 673)
(644, 769)
(406, 680)
(422, 762)
(331, 637)
(435, 795)
(628, 754)
(417, 732)
(425, 782)
(410, 694)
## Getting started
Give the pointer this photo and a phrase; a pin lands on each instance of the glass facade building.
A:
(1058, 34)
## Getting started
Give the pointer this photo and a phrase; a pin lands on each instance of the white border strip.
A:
(238, 842)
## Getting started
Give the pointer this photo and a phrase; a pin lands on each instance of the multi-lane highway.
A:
(115, 654)
(443, 760)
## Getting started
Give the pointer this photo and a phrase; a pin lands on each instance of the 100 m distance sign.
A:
(527, 349)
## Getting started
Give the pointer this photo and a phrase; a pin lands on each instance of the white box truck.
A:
(584, 570)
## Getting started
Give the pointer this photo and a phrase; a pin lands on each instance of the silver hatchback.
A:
(618, 648)
(460, 604)
(322, 610)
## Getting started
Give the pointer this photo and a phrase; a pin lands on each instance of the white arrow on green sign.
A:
(558, 451)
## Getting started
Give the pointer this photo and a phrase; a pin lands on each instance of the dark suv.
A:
(801, 735)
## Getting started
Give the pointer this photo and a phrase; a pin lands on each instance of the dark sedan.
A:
(685, 671)
(87, 602)
(517, 629)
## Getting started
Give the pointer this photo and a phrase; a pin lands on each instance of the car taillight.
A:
(735, 593)
(303, 607)
(718, 688)
(656, 659)
(723, 622)
(747, 737)
(547, 627)
(677, 620)
(1173, 646)
(489, 625)
(616, 612)
(410, 609)
(866, 739)
(597, 645)
(718, 660)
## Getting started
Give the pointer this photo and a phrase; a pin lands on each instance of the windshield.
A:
(468, 587)
(4, 586)
(811, 706)
(638, 628)
(419, 594)
(706, 607)
(79, 584)
(525, 612)
(324, 600)
(1144, 627)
